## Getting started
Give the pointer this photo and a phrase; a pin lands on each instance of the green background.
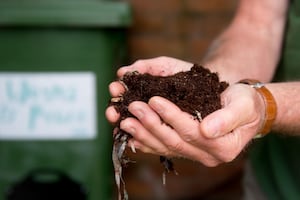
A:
(63, 36)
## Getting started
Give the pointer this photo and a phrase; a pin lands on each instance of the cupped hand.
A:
(160, 66)
(160, 127)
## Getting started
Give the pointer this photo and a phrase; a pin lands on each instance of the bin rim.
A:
(73, 13)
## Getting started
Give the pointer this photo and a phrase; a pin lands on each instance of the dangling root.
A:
(120, 143)
(169, 167)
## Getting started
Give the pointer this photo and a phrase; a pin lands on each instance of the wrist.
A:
(269, 102)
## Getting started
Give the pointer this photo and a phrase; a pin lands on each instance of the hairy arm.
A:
(250, 46)
(239, 52)
(287, 96)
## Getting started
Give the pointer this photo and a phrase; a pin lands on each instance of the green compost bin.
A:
(56, 57)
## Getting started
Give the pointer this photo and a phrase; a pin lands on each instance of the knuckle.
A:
(176, 146)
(189, 136)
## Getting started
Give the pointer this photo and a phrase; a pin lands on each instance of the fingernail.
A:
(132, 147)
(137, 112)
(129, 129)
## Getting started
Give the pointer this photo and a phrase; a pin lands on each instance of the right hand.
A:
(219, 138)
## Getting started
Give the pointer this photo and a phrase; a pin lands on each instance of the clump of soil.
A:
(196, 92)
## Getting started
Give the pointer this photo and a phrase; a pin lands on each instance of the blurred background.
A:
(179, 28)
(43, 44)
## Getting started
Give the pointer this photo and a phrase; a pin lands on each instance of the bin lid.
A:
(64, 13)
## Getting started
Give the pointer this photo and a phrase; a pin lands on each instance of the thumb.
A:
(223, 121)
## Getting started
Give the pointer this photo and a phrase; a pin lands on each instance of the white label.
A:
(47, 106)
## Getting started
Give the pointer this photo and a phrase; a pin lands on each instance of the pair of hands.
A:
(219, 138)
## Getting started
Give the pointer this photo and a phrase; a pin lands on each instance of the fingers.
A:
(229, 122)
(112, 115)
(188, 131)
(182, 122)
(140, 134)
(160, 66)
(151, 130)
(151, 135)
(116, 89)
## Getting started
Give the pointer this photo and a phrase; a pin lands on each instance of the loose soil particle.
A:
(196, 92)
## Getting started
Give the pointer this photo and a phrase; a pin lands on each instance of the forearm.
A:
(250, 46)
(287, 96)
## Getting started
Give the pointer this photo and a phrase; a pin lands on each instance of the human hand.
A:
(220, 137)
(160, 66)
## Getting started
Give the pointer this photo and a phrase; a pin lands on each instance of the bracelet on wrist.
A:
(270, 105)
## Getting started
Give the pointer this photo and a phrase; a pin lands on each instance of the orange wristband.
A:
(270, 105)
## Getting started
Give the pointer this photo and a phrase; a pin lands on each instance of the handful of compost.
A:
(196, 92)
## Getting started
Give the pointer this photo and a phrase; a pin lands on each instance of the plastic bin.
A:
(43, 44)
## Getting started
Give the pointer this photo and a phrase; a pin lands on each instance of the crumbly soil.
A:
(196, 91)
